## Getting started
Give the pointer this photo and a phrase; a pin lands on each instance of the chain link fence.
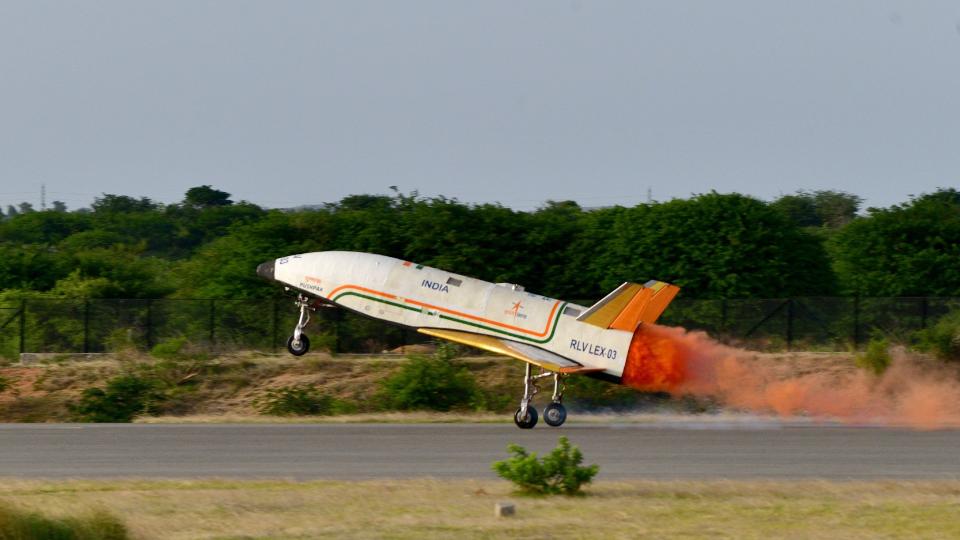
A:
(70, 326)
(826, 324)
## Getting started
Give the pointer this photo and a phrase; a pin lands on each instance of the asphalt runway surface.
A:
(363, 451)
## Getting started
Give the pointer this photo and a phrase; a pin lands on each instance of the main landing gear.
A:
(555, 414)
(298, 344)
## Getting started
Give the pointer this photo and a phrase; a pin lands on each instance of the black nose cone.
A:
(265, 270)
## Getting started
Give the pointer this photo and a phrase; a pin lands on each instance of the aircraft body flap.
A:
(630, 304)
(527, 353)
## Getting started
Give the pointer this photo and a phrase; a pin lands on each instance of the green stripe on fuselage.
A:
(553, 331)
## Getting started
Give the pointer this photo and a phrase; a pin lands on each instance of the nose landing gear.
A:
(554, 414)
(298, 344)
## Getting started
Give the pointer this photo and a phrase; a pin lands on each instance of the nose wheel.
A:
(298, 347)
(298, 344)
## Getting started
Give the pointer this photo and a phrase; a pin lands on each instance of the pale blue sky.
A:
(286, 102)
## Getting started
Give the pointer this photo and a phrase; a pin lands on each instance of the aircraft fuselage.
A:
(422, 297)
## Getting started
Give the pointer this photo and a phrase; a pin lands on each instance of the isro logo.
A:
(515, 311)
(435, 285)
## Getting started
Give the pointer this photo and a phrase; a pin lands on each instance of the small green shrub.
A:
(124, 398)
(943, 338)
(121, 340)
(559, 472)
(299, 400)
(4, 383)
(877, 356)
(431, 384)
(323, 341)
(447, 350)
(22, 525)
(169, 349)
(495, 401)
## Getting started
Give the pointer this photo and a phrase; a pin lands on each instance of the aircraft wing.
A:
(527, 353)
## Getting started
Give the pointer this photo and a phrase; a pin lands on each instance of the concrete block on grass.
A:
(504, 509)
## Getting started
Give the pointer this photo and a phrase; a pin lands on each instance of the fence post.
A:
(273, 325)
(213, 320)
(790, 324)
(856, 322)
(148, 334)
(338, 318)
(924, 310)
(86, 326)
(723, 316)
(23, 326)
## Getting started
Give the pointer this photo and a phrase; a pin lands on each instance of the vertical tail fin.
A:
(631, 304)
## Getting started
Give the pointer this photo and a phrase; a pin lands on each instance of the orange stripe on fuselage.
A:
(490, 321)
(364, 289)
(453, 312)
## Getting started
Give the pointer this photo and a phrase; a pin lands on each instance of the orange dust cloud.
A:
(910, 393)
(657, 361)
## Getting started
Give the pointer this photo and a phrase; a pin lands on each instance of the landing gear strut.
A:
(526, 415)
(555, 414)
(298, 344)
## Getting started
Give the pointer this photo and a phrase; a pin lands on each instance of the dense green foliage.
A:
(559, 472)
(16, 524)
(717, 245)
(943, 338)
(907, 250)
(831, 209)
(713, 245)
(430, 384)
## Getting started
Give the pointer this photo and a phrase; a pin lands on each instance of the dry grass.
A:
(464, 509)
(722, 419)
(229, 390)
(414, 417)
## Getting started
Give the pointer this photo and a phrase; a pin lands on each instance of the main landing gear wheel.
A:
(527, 422)
(555, 415)
(298, 348)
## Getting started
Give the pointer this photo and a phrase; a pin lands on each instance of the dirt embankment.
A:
(230, 386)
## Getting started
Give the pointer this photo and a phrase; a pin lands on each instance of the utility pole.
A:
(43, 196)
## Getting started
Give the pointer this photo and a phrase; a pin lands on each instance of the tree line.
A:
(713, 245)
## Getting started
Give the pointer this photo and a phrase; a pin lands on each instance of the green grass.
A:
(19, 524)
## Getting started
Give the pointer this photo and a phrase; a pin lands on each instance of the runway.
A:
(363, 451)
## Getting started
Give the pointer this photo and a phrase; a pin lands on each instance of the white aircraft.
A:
(557, 337)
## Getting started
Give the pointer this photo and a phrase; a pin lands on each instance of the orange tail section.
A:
(630, 305)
